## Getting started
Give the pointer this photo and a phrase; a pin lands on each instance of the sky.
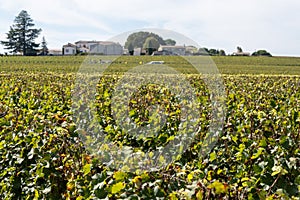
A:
(273, 25)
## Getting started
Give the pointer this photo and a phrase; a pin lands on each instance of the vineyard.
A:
(43, 137)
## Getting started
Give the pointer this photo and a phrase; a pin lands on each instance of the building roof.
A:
(86, 41)
(55, 50)
(241, 53)
(69, 45)
(96, 42)
(170, 46)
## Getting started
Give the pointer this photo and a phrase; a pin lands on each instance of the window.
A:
(67, 50)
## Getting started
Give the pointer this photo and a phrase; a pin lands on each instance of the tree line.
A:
(22, 34)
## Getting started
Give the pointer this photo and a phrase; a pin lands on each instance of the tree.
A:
(203, 51)
(222, 53)
(131, 49)
(170, 42)
(21, 35)
(137, 40)
(213, 52)
(261, 53)
(151, 44)
(239, 50)
(44, 47)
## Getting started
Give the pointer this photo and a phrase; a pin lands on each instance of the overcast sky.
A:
(273, 25)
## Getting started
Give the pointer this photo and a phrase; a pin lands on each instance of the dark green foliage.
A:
(170, 42)
(137, 40)
(44, 50)
(213, 52)
(21, 35)
(261, 53)
(222, 53)
(203, 51)
(151, 44)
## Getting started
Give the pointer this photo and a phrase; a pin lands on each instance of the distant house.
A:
(106, 48)
(191, 50)
(161, 53)
(137, 51)
(83, 50)
(125, 52)
(241, 54)
(85, 43)
(173, 50)
(69, 49)
(55, 52)
(99, 47)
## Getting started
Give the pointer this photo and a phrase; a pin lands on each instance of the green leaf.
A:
(278, 170)
(263, 143)
(257, 154)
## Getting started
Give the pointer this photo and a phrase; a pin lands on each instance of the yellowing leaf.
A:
(106, 94)
(171, 138)
(86, 169)
(117, 187)
(212, 156)
(234, 138)
(172, 196)
(209, 175)
(199, 195)
(137, 179)
(218, 186)
(119, 175)
(70, 186)
(190, 177)
(162, 159)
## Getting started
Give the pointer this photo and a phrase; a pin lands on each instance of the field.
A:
(46, 124)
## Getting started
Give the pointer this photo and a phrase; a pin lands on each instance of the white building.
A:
(85, 43)
(69, 49)
(173, 50)
(106, 48)
(55, 52)
(137, 51)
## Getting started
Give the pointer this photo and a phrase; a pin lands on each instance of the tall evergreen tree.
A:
(21, 35)
(44, 46)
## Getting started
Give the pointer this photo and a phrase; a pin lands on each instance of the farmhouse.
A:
(191, 50)
(69, 49)
(85, 43)
(55, 52)
(241, 54)
(173, 50)
(106, 48)
(99, 47)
